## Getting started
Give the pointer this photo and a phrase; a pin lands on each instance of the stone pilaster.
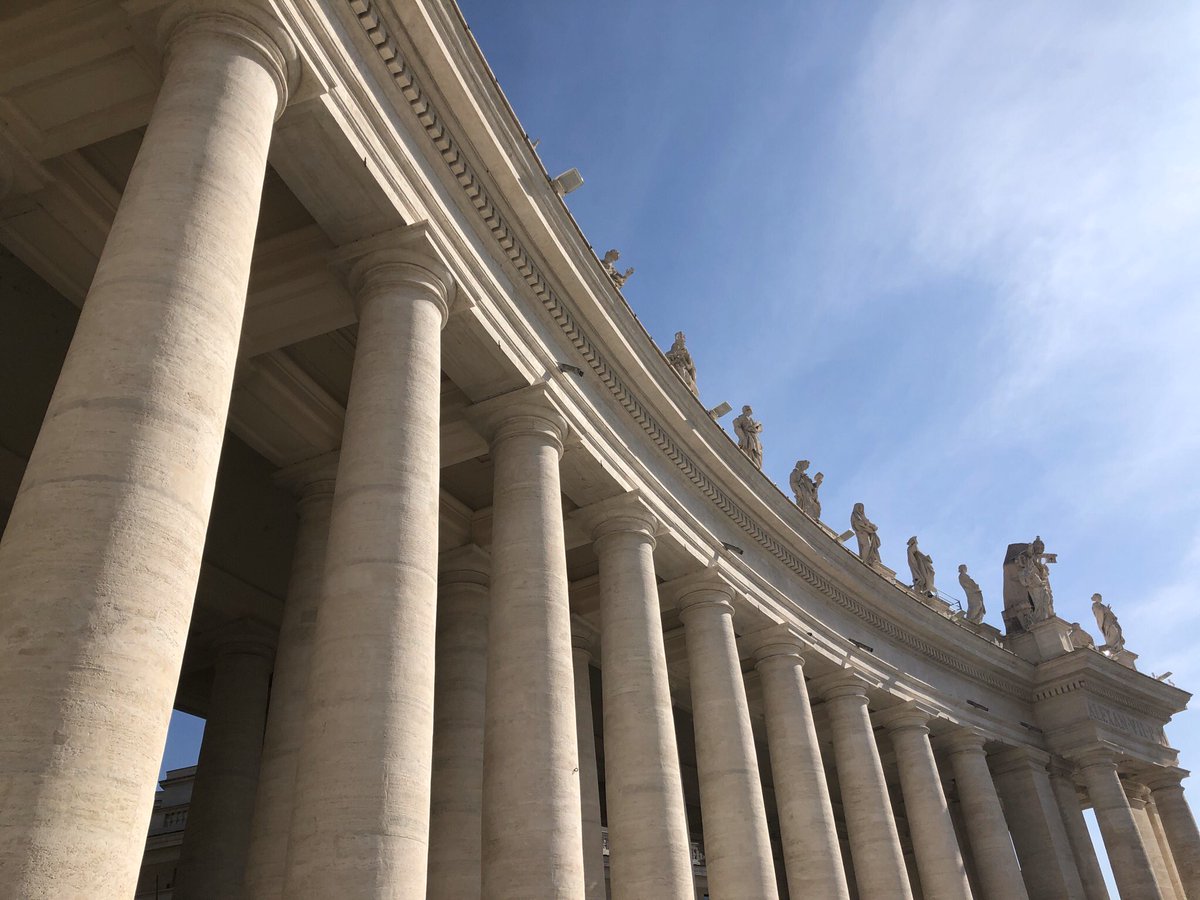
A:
(360, 824)
(1178, 823)
(879, 867)
(584, 642)
(212, 860)
(649, 850)
(1062, 782)
(456, 781)
(939, 860)
(737, 847)
(812, 856)
(266, 859)
(101, 554)
(532, 840)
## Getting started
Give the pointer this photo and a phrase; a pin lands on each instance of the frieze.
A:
(436, 130)
(1125, 723)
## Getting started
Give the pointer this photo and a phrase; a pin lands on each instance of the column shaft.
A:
(212, 860)
(935, 846)
(360, 824)
(589, 779)
(456, 793)
(1127, 854)
(1138, 797)
(267, 856)
(1164, 848)
(737, 847)
(532, 840)
(1078, 836)
(879, 867)
(812, 857)
(1180, 828)
(101, 554)
(650, 854)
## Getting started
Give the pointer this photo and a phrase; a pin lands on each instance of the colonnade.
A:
(429, 730)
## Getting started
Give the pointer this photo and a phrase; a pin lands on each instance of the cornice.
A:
(510, 243)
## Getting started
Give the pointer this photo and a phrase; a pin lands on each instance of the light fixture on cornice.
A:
(719, 410)
(733, 548)
(568, 181)
(567, 367)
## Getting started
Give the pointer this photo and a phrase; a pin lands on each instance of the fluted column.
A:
(935, 846)
(456, 781)
(737, 847)
(879, 866)
(1038, 833)
(1164, 848)
(532, 840)
(1178, 823)
(987, 830)
(649, 850)
(212, 859)
(1127, 854)
(360, 824)
(812, 856)
(583, 640)
(267, 856)
(101, 553)
(1062, 782)
(1138, 797)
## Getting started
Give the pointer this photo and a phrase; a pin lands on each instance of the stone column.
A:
(1036, 825)
(267, 856)
(649, 849)
(1127, 854)
(812, 856)
(1062, 782)
(583, 641)
(212, 860)
(360, 823)
(737, 847)
(1160, 836)
(874, 843)
(1178, 824)
(1138, 797)
(456, 790)
(101, 554)
(935, 846)
(532, 839)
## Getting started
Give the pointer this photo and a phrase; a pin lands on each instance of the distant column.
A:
(879, 867)
(1164, 848)
(456, 780)
(987, 830)
(737, 847)
(1127, 854)
(582, 653)
(1036, 825)
(212, 859)
(811, 852)
(1139, 797)
(1062, 782)
(939, 860)
(1180, 826)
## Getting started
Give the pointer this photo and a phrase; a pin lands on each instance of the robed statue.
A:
(805, 488)
(748, 431)
(1027, 594)
(867, 534)
(921, 566)
(681, 361)
(1106, 621)
(970, 586)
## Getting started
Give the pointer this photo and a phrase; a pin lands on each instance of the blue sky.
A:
(946, 250)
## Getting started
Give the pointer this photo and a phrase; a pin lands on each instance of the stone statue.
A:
(975, 608)
(1027, 594)
(681, 361)
(921, 566)
(609, 263)
(1080, 639)
(748, 430)
(806, 488)
(867, 534)
(1106, 621)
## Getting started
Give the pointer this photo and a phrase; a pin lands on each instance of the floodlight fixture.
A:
(568, 181)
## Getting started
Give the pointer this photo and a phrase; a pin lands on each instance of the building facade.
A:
(329, 426)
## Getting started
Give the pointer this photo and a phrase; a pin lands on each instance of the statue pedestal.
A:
(1124, 657)
(1044, 640)
(982, 629)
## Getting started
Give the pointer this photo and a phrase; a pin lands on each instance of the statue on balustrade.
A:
(1106, 621)
(806, 488)
(975, 608)
(1080, 639)
(1027, 594)
(748, 431)
(868, 536)
(681, 361)
(921, 566)
(610, 266)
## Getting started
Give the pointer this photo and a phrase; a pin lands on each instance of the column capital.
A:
(252, 24)
(527, 410)
(468, 564)
(1013, 759)
(705, 586)
(310, 477)
(908, 716)
(1137, 794)
(962, 740)
(843, 683)
(626, 513)
(780, 643)
(1165, 777)
(1090, 757)
(243, 636)
(403, 259)
(584, 637)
